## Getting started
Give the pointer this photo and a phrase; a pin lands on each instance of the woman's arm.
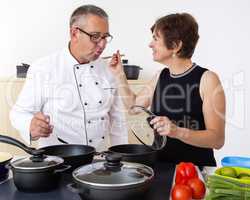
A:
(214, 109)
(142, 98)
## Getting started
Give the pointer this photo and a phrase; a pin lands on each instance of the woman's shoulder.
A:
(210, 81)
(210, 76)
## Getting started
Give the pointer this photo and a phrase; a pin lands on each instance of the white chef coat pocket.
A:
(107, 96)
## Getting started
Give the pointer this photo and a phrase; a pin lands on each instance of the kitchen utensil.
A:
(112, 180)
(144, 131)
(36, 173)
(62, 141)
(132, 71)
(5, 159)
(73, 154)
(108, 57)
(236, 161)
(136, 153)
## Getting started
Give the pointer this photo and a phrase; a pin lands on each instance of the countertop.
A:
(160, 189)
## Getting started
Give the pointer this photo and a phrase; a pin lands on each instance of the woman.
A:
(188, 99)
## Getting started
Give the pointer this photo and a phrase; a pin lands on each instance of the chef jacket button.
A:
(91, 66)
(89, 121)
(96, 83)
(100, 102)
(77, 67)
(80, 85)
(85, 103)
(103, 137)
(102, 118)
(90, 141)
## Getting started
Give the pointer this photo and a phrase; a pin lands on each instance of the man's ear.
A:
(73, 33)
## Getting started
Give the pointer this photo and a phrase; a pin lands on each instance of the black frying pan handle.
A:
(12, 141)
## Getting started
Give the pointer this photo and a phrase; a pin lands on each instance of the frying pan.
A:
(73, 154)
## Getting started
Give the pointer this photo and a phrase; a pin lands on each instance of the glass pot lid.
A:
(36, 163)
(143, 130)
(112, 173)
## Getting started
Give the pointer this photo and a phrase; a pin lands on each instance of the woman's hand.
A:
(115, 64)
(164, 126)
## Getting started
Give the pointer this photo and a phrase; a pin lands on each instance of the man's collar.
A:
(69, 57)
(71, 60)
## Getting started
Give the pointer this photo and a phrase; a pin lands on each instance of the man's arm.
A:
(25, 115)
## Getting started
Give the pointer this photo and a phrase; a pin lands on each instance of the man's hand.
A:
(115, 64)
(40, 126)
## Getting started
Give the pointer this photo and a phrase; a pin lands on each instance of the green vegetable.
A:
(224, 189)
(242, 175)
(228, 171)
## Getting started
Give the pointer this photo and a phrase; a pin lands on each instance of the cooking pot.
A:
(36, 173)
(132, 71)
(112, 180)
(5, 159)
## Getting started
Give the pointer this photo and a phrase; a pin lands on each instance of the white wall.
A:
(32, 29)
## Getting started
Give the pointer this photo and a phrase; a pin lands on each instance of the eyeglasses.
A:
(97, 37)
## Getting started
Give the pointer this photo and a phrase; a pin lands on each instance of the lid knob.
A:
(113, 162)
(125, 61)
(38, 158)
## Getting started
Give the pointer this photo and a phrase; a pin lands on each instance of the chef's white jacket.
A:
(81, 99)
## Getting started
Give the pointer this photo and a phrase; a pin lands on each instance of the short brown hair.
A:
(178, 27)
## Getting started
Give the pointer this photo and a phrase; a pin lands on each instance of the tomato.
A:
(198, 188)
(190, 170)
(184, 172)
(181, 192)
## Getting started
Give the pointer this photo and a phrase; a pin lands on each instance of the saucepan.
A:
(5, 159)
(35, 173)
(112, 180)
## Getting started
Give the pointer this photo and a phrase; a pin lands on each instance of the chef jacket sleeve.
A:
(28, 103)
(119, 132)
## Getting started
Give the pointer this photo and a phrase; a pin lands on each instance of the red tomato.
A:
(181, 192)
(191, 170)
(179, 179)
(184, 172)
(198, 188)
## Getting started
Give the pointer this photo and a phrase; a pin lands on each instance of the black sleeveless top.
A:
(178, 98)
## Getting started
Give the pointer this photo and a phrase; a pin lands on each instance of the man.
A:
(71, 95)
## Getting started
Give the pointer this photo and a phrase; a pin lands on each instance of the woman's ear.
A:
(177, 46)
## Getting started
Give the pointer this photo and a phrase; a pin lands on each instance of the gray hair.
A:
(82, 11)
